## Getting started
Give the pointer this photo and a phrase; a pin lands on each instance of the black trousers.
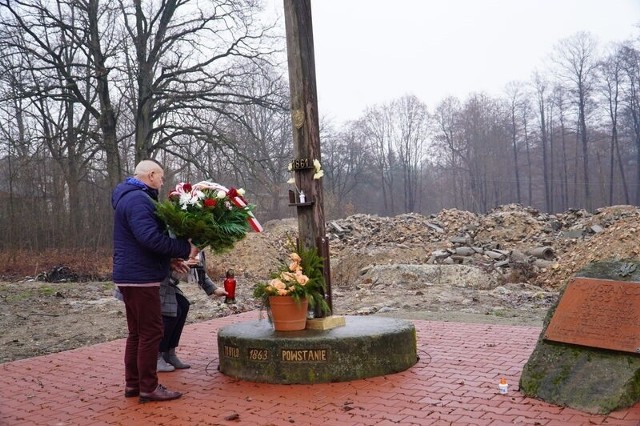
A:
(173, 325)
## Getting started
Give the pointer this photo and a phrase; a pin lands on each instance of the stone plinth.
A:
(586, 356)
(366, 346)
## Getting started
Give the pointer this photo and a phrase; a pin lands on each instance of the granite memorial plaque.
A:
(598, 313)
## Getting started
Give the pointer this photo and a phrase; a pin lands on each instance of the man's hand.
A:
(179, 266)
(193, 254)
(194, 261)
(219, 292)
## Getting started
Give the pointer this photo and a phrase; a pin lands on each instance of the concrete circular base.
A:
(366, 346)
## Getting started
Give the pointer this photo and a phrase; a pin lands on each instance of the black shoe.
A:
(131, 392)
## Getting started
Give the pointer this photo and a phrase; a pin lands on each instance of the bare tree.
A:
(486, 138)
(15, 152)
(67, 42)
(259, 148)
(346, 164)
(526, 112)
(515, 98)
(631, 99)
(559, 101)
(412, 121)
(189, 58)
(56, 75)
(187, 73)
(448, 145)
(378, 124)
(577, 66)
(611, 72)
(541, 98)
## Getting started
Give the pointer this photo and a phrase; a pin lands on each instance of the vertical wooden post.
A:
(306, 128)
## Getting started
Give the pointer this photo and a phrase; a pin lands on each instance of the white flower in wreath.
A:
(185, 200)
(191, 199)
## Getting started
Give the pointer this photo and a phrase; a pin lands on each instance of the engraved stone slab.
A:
(365, 346)
(599, 313)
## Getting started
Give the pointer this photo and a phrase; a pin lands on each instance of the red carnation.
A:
(186, 187)
(232, 193)
(210, 202)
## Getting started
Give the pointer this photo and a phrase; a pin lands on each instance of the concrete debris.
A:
(520, 244)
(544, 249)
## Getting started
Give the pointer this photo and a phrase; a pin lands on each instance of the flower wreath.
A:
(208, 213)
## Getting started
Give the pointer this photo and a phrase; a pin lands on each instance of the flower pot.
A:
(287, 314)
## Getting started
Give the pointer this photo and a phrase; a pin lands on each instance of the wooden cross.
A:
(306, 130)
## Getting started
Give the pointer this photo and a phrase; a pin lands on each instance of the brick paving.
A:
(454, 383)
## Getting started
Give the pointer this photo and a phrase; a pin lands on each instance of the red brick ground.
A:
(454, 383)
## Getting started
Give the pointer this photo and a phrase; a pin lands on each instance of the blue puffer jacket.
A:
(142, 249)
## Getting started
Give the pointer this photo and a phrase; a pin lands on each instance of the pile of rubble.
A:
(507, 263)
(522, 244)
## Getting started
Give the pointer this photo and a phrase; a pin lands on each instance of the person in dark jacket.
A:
(142, 252)
(175, 307)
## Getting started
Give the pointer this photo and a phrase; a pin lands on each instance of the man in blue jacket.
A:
(142, 252)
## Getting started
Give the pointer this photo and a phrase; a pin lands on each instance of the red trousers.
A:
(144, 321)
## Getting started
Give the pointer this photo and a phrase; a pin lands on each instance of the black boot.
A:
(173, 359)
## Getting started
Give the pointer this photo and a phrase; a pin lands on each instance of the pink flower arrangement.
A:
(301, 278)
(288, 283)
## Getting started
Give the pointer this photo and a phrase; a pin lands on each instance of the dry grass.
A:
(88, 265)
(82, 264)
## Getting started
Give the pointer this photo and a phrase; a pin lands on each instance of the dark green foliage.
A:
(314, 290)
(218, 227)
(313, 264)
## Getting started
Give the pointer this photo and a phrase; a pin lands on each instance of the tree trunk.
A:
(306, 130)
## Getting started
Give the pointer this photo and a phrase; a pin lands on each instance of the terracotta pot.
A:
(287, 314)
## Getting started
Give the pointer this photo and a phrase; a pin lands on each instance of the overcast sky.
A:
(370, 52)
